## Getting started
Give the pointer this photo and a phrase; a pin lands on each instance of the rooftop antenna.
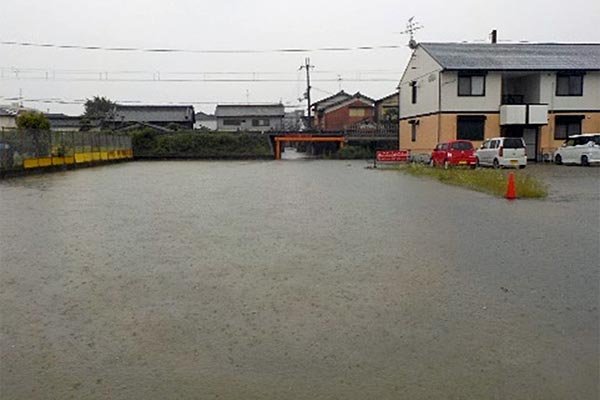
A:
(412, 27)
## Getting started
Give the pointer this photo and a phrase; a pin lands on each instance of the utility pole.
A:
(308, 67)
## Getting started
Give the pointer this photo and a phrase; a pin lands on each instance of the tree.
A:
(98, 108)
(33, 120)
(390, 115)
(97, 111)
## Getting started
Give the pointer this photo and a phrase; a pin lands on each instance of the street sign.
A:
(392, 156)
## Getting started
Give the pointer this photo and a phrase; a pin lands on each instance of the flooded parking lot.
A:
(296, 280)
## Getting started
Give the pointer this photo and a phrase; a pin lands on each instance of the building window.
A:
(261, 122)
(413, 130)
(390, 115)
(566, 126)
(357, 112)
(413, 87)
(232, 122)
(471, 84)
(470, 127)
(569, 85)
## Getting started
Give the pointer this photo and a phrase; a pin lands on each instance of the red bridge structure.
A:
(360, 133)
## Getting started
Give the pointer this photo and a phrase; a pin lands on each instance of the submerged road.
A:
(295, 280)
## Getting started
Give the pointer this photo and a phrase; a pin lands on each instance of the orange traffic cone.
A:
(511, 191)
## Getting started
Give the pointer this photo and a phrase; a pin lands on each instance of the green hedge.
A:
(213, 145)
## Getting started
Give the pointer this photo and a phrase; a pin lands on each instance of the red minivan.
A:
(454, 153)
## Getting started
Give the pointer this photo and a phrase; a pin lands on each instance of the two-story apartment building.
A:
(541, 92)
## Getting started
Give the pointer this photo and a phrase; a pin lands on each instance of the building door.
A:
(530, 136)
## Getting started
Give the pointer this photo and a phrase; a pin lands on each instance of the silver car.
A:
(502, 152)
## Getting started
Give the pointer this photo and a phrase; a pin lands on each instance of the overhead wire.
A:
(57, 100)
(191, 80)
(193, 51)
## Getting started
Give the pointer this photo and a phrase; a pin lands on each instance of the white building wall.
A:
(452, 102)
(8, 122)
(246, 125)
(210, 124)
(423, 69)
(590, 101)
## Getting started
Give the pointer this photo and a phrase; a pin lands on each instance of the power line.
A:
(53, 71)
(194, 51)
(56, 100)
(191, 80)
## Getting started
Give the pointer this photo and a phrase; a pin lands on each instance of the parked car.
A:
(579, 149)
(454, 153)
(502, 152)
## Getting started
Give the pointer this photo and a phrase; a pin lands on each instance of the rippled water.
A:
(297, 279)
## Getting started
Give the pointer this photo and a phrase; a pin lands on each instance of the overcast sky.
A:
(250, 25)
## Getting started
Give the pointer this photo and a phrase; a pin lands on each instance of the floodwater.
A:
(291, 153)
(294, 280)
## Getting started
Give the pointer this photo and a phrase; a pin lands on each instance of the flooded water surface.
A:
(293, 280)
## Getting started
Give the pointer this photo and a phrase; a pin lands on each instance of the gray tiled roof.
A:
(517, 56)
(153, 113)
(270, 110)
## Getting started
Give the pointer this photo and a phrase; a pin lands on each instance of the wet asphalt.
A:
(296, 280)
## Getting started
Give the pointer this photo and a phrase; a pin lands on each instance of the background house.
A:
(387, 109)
(162, 116)
(250, 118)
(294, 121)
(8, 117)
(63, 123)
(205, 121)
(541, 92)
(342, 111)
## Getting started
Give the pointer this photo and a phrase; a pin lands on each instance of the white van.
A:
(502, 152)
(579, 149)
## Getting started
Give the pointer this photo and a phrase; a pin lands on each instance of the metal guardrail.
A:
(31, 149)
(367, 130)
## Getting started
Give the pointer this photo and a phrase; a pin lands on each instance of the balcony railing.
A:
(513, 99)
(523, 114)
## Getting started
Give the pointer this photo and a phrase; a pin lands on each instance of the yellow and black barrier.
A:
(77, 158)
(26, 150)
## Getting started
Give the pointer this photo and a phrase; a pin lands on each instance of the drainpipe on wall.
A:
(439, 106)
